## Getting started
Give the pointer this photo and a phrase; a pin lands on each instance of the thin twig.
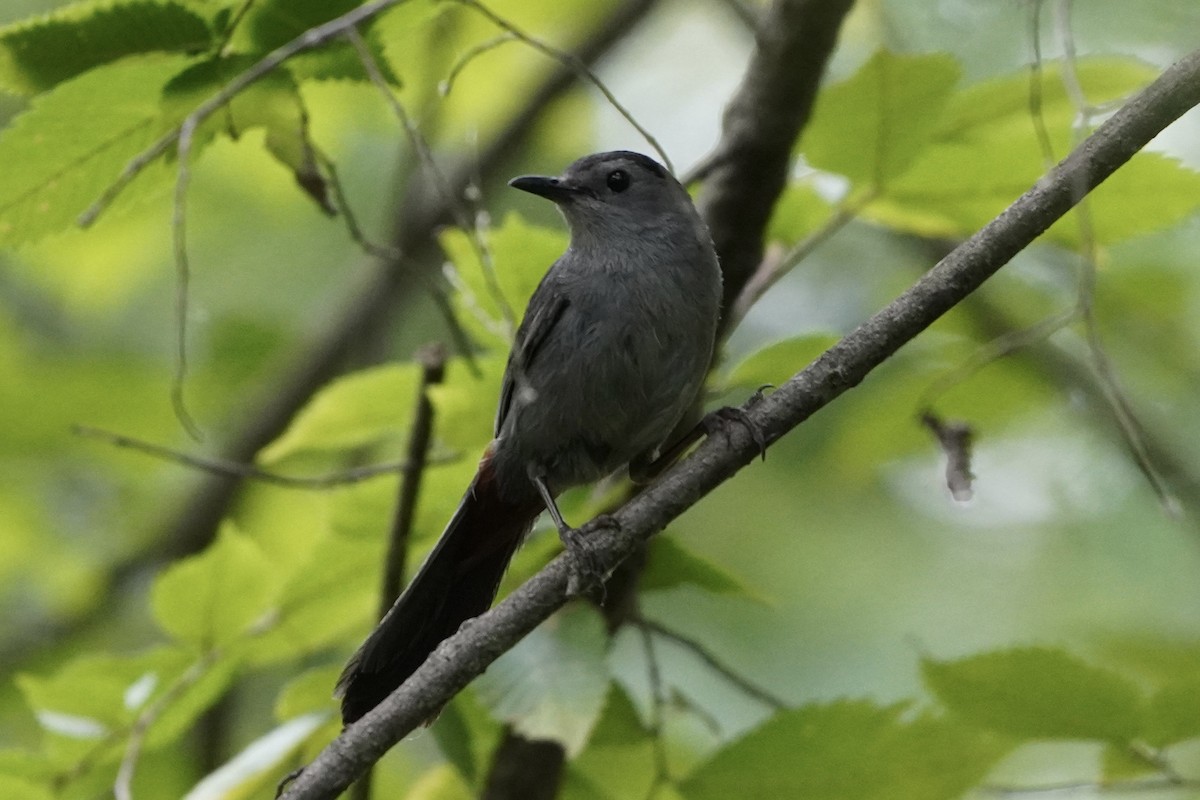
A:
(183, 136)
(182, 281)
(311, 38)
(580, 68)
(447, 84)
(1036, 79)
(345, 210)
(701, 652)
(1129, 427)
(994, 350)
(231, 27)
(233, 469)
(471, 220)
(662, 773)
(123, 784)
(772, 269)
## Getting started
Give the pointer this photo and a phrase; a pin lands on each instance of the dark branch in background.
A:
(466, 654)
(776, 94)
(748, 170)
(433, 368)
(432, 359)
(249, 472)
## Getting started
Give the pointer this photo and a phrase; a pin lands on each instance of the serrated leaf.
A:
(55, 167)
(872, 126)
(1038, 693)
(849, 750)
(364, 408)
(669, 564)
(775, 363)
(213, 598)
(38, 54)
(552, 685)
(272, 23)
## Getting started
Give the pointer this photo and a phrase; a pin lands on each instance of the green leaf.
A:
(272, 23)
(1119, 762)
(364, 408)
(986, 152)
(1174, 713)
(872, 126)
(326, 599)
(213, 598)
(19, 789)
(98, 695)
(55, 167)
(847, 750)
(465, 404)
(440, 783)
(496, 291)
(274, 103)
(775, 363)
(552, 685)
(467, 736)
(799, 211)
(619, 758)
(1038, 693)
(254, 772)
(38, 54)
(311, 690)
(669, 564)
(1149, 193)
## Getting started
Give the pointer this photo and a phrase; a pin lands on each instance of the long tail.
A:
(458, 581)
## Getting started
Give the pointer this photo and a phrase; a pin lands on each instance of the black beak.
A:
(549, 188)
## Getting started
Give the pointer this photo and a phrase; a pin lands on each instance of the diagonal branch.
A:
(466, 654)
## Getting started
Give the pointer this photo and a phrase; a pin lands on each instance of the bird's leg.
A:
(584, 570)
(564, 530)
(646, 470)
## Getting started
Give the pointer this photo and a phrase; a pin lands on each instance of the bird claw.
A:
(586, 568)
(717, 419)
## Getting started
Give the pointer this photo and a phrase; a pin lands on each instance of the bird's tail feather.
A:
(458, 581)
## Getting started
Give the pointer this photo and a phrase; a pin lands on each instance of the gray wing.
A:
(545, 310)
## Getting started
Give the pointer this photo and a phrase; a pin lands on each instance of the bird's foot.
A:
(586, 566)
(717, 419)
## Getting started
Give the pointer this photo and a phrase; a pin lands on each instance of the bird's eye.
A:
(618, 180)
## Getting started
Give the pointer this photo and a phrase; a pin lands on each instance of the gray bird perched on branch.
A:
(610, 356)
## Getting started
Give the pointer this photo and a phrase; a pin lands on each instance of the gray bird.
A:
(611, 354)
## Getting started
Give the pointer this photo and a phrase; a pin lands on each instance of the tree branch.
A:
(466, 654)
(749, 169)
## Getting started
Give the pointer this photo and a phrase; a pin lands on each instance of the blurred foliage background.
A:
(839, 575)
